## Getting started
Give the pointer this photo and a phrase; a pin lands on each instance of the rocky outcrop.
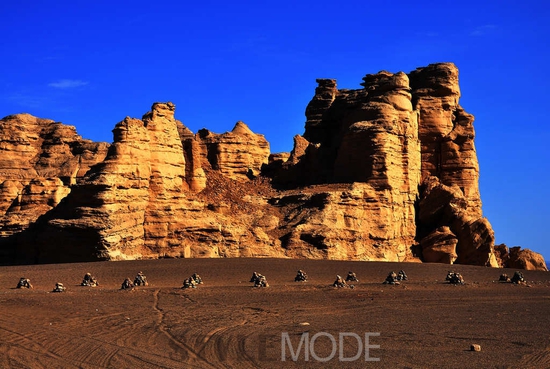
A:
(318, 120)
(385, 172)
(36, 198)
(104, 215)
(129, 206)
(518, 258)
(343, 222)
(138, 204)
(40, 159)
(446, 208)
(239, 154)
(446, 131)
(449, 166)
(166, 182)
(41, 148)
(394, 133)
(368, 138)
(439, 246)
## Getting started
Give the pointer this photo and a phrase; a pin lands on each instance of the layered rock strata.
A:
(39, 160)
(518, 258)
(367, 138)
(446, 131)
(239, 154)
(385, 172)
(140, 202)
(396, 133)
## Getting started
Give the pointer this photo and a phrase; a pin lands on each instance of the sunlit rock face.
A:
(406, 139)
(238, 154)
(449, 166)
(39, 161)
(385, 172)
(518, 258)
(142, 201)
(128, 206)
(446, 131)
(366, 140)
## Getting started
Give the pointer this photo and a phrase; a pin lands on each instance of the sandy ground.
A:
(226, 323)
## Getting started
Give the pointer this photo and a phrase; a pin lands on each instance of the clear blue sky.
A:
(91, 63)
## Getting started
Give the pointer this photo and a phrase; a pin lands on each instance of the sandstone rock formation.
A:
(445, 209)
(40, 159)
(368, 139)
(396, 132)
(385, 172)
(518, 258)
(139, 203)
(446, 131)
(439, 246)
(342, 221)
(238, 154)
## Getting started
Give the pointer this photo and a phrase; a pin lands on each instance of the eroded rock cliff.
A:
(39, 161)
(368, 139)
(384, 172)
(238, 154)
(142, 201)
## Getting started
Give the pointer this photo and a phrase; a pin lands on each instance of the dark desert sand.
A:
(226, 323)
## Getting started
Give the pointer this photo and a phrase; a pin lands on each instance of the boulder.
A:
(526, 259)
(439, 246)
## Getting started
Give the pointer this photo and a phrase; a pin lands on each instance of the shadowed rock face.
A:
(385, 172)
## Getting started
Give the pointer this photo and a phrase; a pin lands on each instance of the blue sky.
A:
(90, 64)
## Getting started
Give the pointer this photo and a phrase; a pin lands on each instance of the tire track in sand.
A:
(229, 346)
(227, 349)
(84, 351)
(162, 328)
(537, 360)
(25, 342)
